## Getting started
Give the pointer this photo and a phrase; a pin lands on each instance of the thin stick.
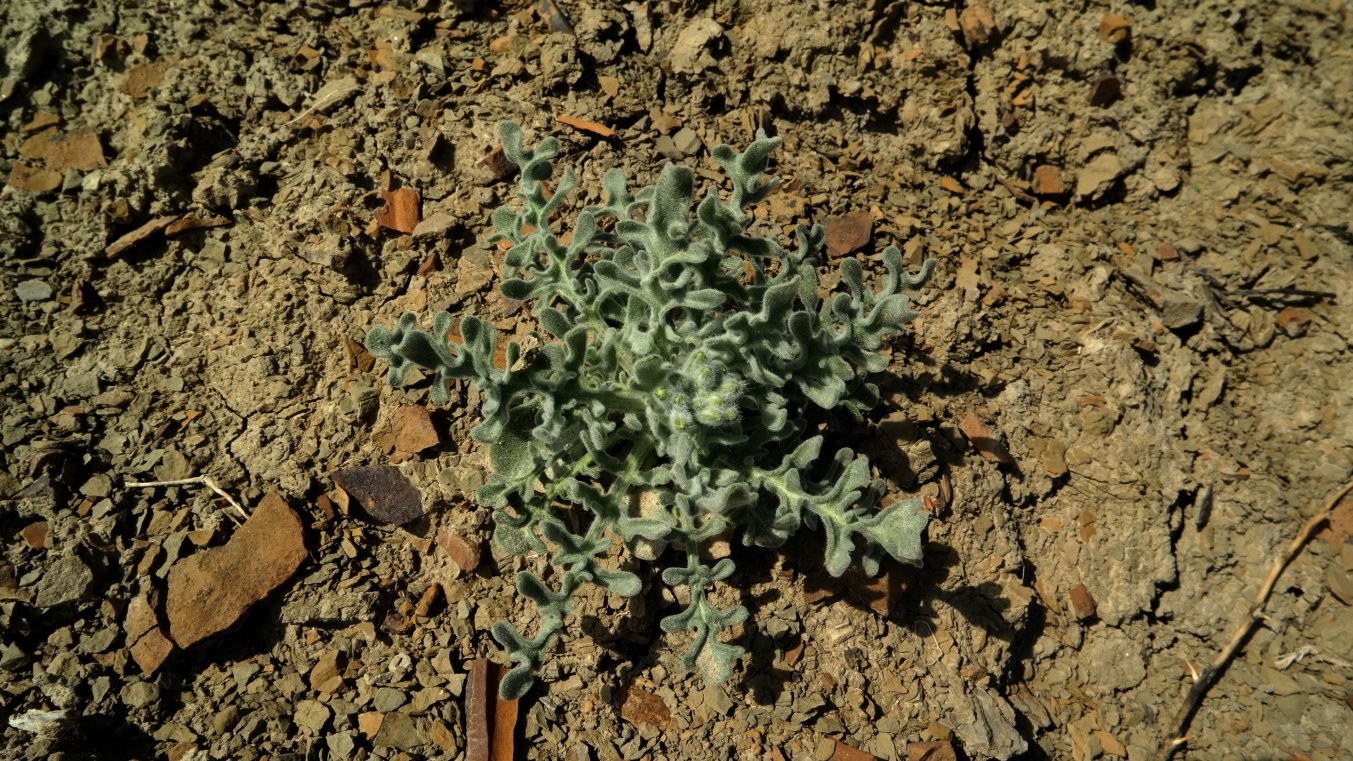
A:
(1209, 676)
(206, 481)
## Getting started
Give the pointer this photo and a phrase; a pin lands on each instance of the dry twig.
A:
(206, 481)
(1203, 681)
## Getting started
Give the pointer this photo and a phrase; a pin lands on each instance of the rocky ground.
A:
(1126, 391)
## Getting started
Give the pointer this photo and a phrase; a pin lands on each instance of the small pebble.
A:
(33, 290)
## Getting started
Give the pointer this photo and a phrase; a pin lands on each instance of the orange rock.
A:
(413, 429)
(1082, 603)
(1112, 745)
(140, 79)
(145, 638)
(498, 164)
(191, 222)
(40, 121)
(585, 125)
(400, 212)
(156, 225)
(1293, 316)
(984, 439)
(978, 22)
(35, 534)
(1048, 181)
(882, 592)
(369, 723)
(848, 233)
(845, 752)
(1105, 90)
(441, 734)
(426, 601)
(1338, 529)
(213, 589)
(78, 150)
(33, 179)
(930, 751)
(641, 707)
(464, 553)
(325, 675)
(1114, 29)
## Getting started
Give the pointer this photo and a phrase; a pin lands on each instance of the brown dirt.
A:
(1142, 217)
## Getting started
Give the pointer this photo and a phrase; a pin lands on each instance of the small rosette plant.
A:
(667, 404)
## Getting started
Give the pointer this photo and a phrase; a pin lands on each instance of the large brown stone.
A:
(211, 590)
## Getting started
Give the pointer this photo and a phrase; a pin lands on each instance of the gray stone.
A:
(1179, 310)
(33, 290)
(428, 697)
(340, 745)
(174, 732)
(1098, 175)
(687, 141)
(1118, 661)
(68, 580)
(399, 730)
(388, 699)
(12, 658)
(455, 684)
(311, 715)
(98, 689)
(98, 485)
(251, 727)
(173, 466)
(1189, 245)
(1292, 707)
(64, 344)
(140, 694)
(64, 664)
(1340, 582)
(985, 723)
(243, 672)
(342, 708)
(224, 720)
(290, 685)
(668, 148)
(82, 385)
(716, 697)
(690, 52)
(435, 225)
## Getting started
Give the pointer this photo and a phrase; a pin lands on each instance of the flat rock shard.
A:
(145, 637)
(212, 589)
(383, 492)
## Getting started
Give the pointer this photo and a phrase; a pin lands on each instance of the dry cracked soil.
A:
(1126, 391)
